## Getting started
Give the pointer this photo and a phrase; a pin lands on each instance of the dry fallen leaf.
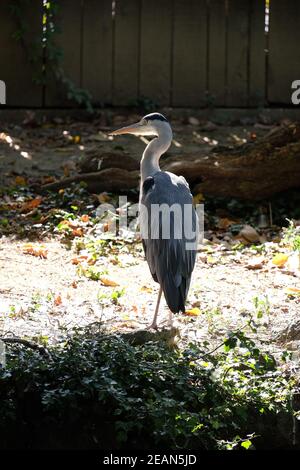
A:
(20, 181)
(211, 260)
(198, 198)
(129, 324)
(32, 204)
(108, 282)
(48, 179)
(292, 291)
(76, 139)
(146, 289)
(85, 218)
(103, 197)
(193, 312)
(280, 259)
(125, 316)
(57, 300)
(35, 250)
(256, 263)
(79, 259)
(224, 223)
(77, 232)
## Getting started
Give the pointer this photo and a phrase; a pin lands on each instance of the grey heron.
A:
(168, 220)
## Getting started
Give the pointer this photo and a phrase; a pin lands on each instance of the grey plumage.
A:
(170, 262)
(168, 220)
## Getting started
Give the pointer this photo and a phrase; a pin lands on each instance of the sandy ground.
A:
(224, 292)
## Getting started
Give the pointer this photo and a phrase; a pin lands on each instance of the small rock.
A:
(193, 121)
(250, 234)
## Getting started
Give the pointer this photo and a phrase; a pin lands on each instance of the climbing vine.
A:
(44, 49)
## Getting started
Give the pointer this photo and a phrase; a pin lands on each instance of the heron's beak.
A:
(133, 129)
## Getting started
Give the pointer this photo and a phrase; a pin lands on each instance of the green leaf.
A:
(246, 444)
(230, 343)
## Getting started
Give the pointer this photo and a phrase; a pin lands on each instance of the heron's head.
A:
(153, 124)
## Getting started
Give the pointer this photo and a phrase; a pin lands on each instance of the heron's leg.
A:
(154, 321)
(170, 322)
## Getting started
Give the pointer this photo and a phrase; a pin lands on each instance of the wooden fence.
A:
(192, 53)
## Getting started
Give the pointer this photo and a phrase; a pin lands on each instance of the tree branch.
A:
(43, 351)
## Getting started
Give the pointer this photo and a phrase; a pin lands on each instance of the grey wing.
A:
(171, 256)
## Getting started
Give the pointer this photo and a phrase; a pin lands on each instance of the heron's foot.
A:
(153, 326)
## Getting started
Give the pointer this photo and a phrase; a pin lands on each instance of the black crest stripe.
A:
(155, 116)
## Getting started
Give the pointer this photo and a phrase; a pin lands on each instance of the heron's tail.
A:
(176, 296)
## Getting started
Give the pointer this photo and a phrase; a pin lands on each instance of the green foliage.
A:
(116, 294)
(45, 47)
(55, 54)
(99, 391)
(91, 272)
(65, 205)
(292, 236)
(262, 306)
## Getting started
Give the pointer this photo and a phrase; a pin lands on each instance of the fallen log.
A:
(252, 171)
(111, 179)
(96, 161)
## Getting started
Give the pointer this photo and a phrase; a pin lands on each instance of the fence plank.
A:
(257, 61)
(15, 67)
(97, 50)
(155, 59)
(189, 53)
(237, 53)
(126, 54)
(158, 50)
(217, 53)
(284, 56)
(69, 40)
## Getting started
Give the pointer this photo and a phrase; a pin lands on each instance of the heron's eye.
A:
(144, 122)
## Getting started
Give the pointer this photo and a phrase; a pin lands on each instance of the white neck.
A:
(153, 152)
